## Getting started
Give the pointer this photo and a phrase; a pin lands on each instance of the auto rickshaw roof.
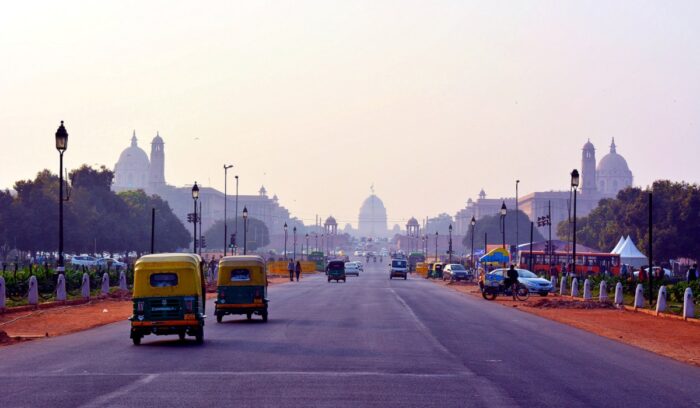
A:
(193, 259)
(234, 260)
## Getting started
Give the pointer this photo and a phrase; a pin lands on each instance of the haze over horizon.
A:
(318, 100)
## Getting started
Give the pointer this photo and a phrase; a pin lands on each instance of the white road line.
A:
(104, 400)
(148, 377)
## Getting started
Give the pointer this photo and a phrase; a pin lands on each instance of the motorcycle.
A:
(490, 290)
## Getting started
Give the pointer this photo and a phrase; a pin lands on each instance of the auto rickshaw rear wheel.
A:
(181, 335)
(136, 339)
(199, 336)
(249, 315)
(219, 317)
(264, 316)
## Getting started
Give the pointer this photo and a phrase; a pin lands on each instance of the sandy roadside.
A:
(668, 337)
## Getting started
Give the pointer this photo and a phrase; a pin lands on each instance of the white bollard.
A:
(587, 290)
(618, 294)
(105, 283)
(85, 286)
(603, 294)
(122, 280)
(61, 288)
(688, 305)
(661, 300)
(2, 293)
(639, 296)
(33, 295)
(574, 287)
(553, 280)
(562, 287)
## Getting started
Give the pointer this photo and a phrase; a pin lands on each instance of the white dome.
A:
(131, 170)
(373, 219)
(612, 173)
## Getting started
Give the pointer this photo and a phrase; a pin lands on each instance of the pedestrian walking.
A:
(692, 274)
(298, 270)
(290, 268)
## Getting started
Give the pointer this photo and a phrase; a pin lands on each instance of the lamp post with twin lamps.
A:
(449, 249)
(294, 245)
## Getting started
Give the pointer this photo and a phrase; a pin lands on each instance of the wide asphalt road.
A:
(370, 342)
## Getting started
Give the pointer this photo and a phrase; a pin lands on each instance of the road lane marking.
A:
(148, 377)
(107, 398)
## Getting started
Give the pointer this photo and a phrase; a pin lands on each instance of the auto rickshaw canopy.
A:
(185, 266)
(242, 270)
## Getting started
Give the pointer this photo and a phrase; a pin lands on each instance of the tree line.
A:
(675, 216)
(96, 219)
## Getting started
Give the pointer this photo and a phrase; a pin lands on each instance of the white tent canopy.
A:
(618, 246)
(630, 255)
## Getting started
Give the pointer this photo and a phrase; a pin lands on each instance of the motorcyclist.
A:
(512, 279)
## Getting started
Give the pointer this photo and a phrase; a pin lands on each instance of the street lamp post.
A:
(504, 211)
(226, 167)
(316, 237)
(61, 146)
(449, 250)
(517, 227)
(307, 247)
(436, 245)
(323, 244)
(473, 224)
(285, 241)
(195, 197)
(235, 246)
(245, 230)
(294, 245)
(574, 185)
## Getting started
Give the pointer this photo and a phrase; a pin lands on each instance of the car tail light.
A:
(139, 306)
(188, 306)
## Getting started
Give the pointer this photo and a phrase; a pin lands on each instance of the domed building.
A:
(612, 173)
(132, 171)
(373, 220)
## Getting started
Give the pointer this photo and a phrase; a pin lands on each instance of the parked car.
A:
(83, 260)
(534, 283)
(657, 271)
(360, 266)
(456, 272)
(111, 263)
(351, 268)
(399, 269)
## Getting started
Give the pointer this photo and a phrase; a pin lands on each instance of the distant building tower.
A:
(588, 170)
(263, 191)
(156, 178)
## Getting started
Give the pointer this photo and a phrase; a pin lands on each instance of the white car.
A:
(352, 268)
(83, 260)
(111, 262)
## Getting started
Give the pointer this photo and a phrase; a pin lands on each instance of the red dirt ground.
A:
(668, 337)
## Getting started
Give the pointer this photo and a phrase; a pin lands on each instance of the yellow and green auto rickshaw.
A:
(169, 296)
(241, 287)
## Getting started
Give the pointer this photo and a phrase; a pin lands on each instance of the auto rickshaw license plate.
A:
(189, 316)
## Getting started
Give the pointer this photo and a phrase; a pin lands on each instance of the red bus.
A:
(586, 262)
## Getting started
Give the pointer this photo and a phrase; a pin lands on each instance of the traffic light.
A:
(233, 240)
(189, 217)
(204, 242)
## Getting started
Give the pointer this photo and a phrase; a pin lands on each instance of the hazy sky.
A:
(317, 100)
